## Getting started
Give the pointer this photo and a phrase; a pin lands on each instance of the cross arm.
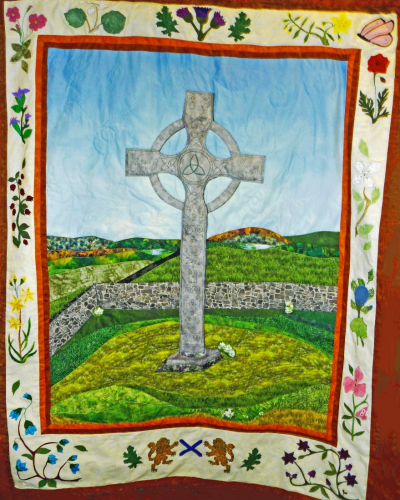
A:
(144, 162)
(246, 168)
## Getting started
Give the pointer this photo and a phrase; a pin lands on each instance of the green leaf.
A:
(43, 451)
(27, 133)
(382, 97)
(16, 57)
(16, 108)
(357, 196)
(367, 105)
(365, 230)
(80, 447)
(166, 21)
(252, 460)
(26, 54)
(241, 27)
(320, 447)
(371, 293)
(296, 34)
(361, 282)
(353, 305)
(16, 242)
(345, 428)
(359, 433)
(304, 22)
(15, 386)
(27, 43)
(345, 405)
(353, 285)
(113, 22)
(351, 372)
(332, 466)
(359, 327)
(375, 195)
(28, 455)
(42, 483)
(346, 417)
(52, 483)
(23, 227)
(75, 17)
(358, 421)
(314, 488)
(329, 473)
(370, 275)
(25, 235)
(324, 492)
(15, 198)
(17, 47)
(302, 456)
(366, 309)
(324, 455)
(132, 457)
(306, 38)
(24, 163)
(363, 148)
(24, 66)
(360, 207)
(367, 245)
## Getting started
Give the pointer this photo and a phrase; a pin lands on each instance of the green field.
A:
(319, 239)
(237, 265)
(280, 365)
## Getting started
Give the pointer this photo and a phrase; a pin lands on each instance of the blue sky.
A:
(102, 102)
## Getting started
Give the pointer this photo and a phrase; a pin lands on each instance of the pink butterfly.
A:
(378, 32)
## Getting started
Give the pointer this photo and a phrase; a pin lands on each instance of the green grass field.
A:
(275, 369)
(320, 239)
(236, 265)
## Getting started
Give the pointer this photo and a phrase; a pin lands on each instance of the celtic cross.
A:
(195, 167)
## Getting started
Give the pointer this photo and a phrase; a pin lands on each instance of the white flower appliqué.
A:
(363, 176)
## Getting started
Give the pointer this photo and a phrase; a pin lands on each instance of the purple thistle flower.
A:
(303, 445)
(185, 14)
(344, 454)
(349, 467)
(217, 21)
(312, 473)
(289, 458)
(202, 14)
(351, 480)
(328, 483)
(20, 92)
(14, 120)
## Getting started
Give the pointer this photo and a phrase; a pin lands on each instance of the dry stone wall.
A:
(166, 296)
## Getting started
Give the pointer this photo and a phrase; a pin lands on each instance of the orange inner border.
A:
(352, 56)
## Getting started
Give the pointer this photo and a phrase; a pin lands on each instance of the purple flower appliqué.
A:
(202, 12)
(344, 454)
(303, 445)
(349, 467)
(217, 20)
(27, 116)
(20, 92)
(312, 473)
(13, 121)
(74, 468)
(328, 483)
(288, 474)
(289, 458)
(30, 430)
(351, 480)
(294, 476)
(183, 12)
(21, 467)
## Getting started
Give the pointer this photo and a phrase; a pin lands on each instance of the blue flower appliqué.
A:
(30, 430)
(74, 468)
(52, 459)
(21, 467)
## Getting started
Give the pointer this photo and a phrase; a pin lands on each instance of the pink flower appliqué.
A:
(362, 413)
(13, 14)
(350, 384)
(37, 22)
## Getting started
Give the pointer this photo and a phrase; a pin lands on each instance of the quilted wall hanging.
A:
(192, 215)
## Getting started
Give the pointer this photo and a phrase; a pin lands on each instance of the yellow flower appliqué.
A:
(16, 304)
(341, 24)
(27, 294)
(14, 323)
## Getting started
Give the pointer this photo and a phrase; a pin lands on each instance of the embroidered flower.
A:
(13, 121)
(20, 92)
(74, 468)
(351, 480)
(14, 323)
(328, 483)
(217, 21)
(378, 64)
(21, 467)
(185, 14)
(354, 385)
(52, 459)
(303, 445)
(15, 446)
(312, 473)
(363, 176)
(63, 442)
(29, 198)
(16, 304)
(362, 413)
(30, 430)
(341, 24)
(229, 413)
(13, 14)
(15, 413)
(289, 458)
(74, 457)
(37, 22)
(349, 467)
(27, 396)
(344, 454)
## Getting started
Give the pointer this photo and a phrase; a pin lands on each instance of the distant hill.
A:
(82, 243)
(251, 235)
(318, 239)
(88, 243)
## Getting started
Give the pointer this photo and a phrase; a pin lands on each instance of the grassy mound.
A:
(319, 239)
(236, 265)
(271, 371)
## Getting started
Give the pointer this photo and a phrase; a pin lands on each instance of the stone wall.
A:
(166, 296)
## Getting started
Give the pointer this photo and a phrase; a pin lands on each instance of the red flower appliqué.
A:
(354, 385)
(378, 64)
(13, 14)
(362, 413)
(37, 22)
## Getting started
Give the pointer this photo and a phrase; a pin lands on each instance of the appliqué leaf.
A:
(367, 105)
(365, 230)
(366, 309)
(43, 451)
(360, 207)
(353, 285)
(51, 483)
(361, 282)
(324, 492)
(166, 21)
(350, 370)
(241, 27)
(359, 327)
(252, 460)
(42, 483)
(132, 457)
(367, 245)
(314, 488)
(371, 293)
(28, 455)
(80, 447)
(353, 305)
(375, 195)
(113, 22)
(363, 148)
(370, 275)
(75, 17)
(15, 386)
(24, 66)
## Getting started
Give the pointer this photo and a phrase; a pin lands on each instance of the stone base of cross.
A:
(195, 167)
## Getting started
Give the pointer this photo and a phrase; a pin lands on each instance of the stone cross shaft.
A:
(195, 167)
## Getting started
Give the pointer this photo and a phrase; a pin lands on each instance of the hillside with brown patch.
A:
(265, 233)
(96, 252)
